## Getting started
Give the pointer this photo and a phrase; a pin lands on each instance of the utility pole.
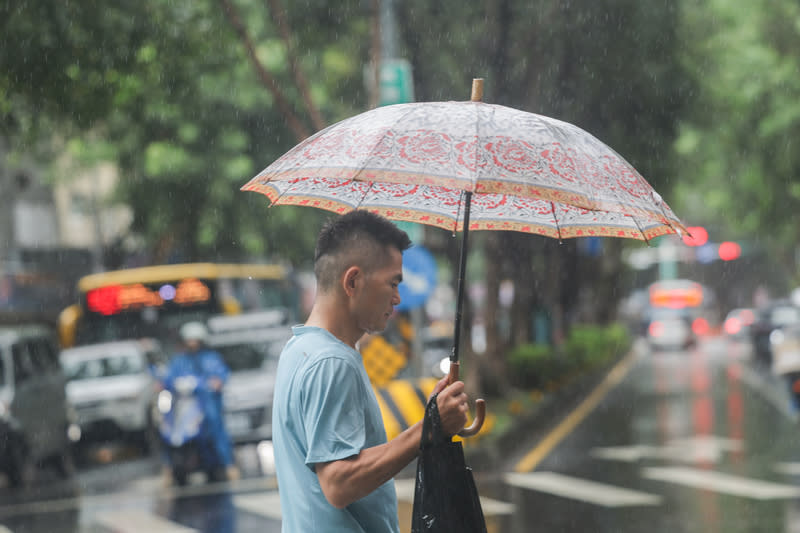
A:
(388, 30)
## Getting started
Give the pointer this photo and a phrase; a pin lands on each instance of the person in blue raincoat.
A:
(207, 365)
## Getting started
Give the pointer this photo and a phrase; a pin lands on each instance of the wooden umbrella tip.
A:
(477, 90)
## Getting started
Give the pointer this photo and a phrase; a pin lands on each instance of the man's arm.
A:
(348, 480)
(220, 370)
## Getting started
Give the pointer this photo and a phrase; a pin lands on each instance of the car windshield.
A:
(666, 313)
(103, 367)
(240, 357)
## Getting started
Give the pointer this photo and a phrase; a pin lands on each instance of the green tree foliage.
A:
(739, 165)
(168, 88)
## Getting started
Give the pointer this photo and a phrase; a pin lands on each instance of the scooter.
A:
(186, 445)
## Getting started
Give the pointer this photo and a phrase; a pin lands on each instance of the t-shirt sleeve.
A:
(333, 411)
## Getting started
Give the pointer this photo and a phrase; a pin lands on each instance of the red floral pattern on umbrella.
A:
(414, 160)
(441, 207)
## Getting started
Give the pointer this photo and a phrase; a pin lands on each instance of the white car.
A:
(113, 387)
(250, 346)
(670, 329)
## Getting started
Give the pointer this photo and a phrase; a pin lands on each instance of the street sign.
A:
(396, 82)
(419, 278)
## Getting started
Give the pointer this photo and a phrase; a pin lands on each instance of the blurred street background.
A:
(630, 385)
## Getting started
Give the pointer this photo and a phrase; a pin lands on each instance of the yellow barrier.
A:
(402, 404)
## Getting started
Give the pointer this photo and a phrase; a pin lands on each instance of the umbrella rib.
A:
(283, 193)
(458, 213)
(568, 156)
(667, 218)
(364, 196)
(646, 240)
(379, 141)
(555, 218)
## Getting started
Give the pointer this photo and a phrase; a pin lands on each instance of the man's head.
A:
(359, 263)
(358, 238)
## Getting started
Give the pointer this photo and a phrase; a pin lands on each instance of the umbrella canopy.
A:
(527, 173)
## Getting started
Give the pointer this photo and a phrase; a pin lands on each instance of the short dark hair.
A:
(357, 237)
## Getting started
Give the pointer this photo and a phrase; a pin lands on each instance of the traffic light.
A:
(728, 251)
(697, 236)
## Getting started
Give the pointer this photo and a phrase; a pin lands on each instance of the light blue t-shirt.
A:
(325, 410)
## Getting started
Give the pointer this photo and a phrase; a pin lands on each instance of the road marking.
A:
(134, 495)
(627, 454)
(791, 469)
(491, 507)
(135, 521)
(266, 504)
(691, 450)
(4, 529)
(614, 377)
(721, 482)
(581, 489)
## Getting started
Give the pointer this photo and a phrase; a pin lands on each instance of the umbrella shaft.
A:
(462, 266)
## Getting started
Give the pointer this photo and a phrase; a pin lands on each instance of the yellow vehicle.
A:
(154, 301)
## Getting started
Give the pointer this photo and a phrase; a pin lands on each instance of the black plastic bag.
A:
(445, 497)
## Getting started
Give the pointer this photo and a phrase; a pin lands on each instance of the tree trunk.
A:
(496, 380)
(552, 293)
(267, 80)
(609, 280)
(279, 17)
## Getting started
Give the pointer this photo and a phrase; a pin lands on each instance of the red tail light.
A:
(733, 326)
(656, 329)
(700, 326)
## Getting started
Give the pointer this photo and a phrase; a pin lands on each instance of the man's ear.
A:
(350, 279)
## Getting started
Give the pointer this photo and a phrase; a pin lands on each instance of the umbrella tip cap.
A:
(477, 90)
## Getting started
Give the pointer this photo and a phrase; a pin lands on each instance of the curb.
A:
(531, 426)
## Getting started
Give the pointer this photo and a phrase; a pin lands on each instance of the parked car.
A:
(113, 387)
(36, 422)
(774, 317)
(251, 353)
(785, 347)
(785, 344)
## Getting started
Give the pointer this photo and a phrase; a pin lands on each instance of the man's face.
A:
(378, 293)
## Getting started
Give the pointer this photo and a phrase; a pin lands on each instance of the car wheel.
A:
(22, 469)
(150, 439)
(180, 475)
(216, 475)
(65, 464)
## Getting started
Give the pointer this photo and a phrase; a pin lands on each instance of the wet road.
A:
(129, 496)
(692, 441)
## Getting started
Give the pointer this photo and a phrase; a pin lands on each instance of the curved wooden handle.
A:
(480, 405)
(477, 424)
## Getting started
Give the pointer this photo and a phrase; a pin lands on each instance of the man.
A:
(207, 365)
(334, 464)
